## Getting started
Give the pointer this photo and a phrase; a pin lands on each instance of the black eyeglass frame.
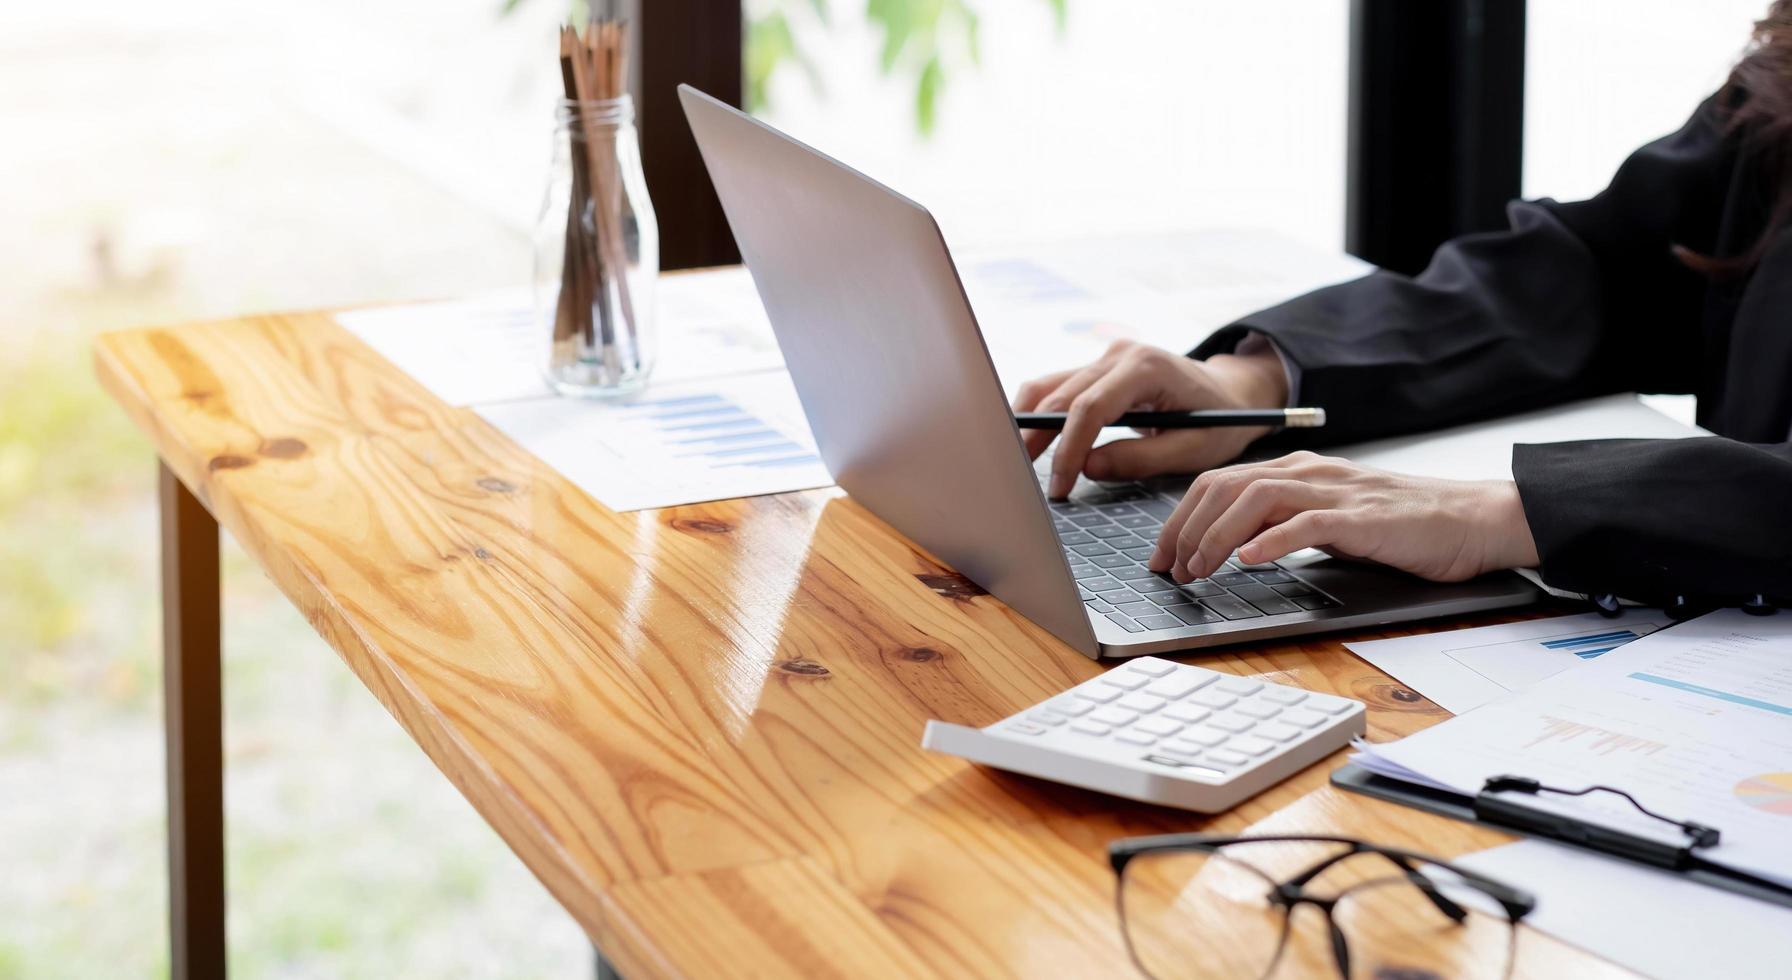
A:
(1516, 902)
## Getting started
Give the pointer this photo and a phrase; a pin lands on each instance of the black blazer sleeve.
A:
(1651, 519)
(1572, 301)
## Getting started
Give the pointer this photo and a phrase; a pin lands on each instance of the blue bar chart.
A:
(676, 444)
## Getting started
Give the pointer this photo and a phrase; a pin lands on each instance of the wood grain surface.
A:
(700, 726)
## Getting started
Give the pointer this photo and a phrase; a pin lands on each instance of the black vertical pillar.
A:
(696, 42)
(1436, 123)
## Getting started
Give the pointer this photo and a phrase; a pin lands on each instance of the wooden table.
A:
(699, 727)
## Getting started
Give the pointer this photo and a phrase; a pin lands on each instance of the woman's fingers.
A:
(1261, 503)
(1312, 529)
(1104, 400)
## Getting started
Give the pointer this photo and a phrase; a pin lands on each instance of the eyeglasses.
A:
(1201, 905)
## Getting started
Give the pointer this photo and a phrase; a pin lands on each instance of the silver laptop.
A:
(910, 417)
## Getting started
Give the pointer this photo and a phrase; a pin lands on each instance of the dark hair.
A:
(1757, 101)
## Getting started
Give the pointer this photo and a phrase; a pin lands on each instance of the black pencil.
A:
(1293, 418)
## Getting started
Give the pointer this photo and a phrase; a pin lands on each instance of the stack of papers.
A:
(1694, 721)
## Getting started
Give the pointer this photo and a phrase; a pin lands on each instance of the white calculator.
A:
(1163, 732)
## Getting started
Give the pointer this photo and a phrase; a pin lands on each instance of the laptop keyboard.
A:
(1107, 536)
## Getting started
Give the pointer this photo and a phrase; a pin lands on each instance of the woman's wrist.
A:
(1255, 379)
(1506, 530)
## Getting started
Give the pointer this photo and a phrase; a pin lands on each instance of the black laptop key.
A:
(1231, 607)
(1098, 605)
(1138, 521)
(1075, 537)
(1088, 518)
(1110, 531)
(1193, 614)
(1160, 509)
(1115, 510)
(1136, 608)
(1092, 549)
(1244, 566)
(1147, 586)
(1160, 622)
(1074, 558)
(1202, 588)
(1139, 554)
(1115, 560)
(1316, 602)
(1170, 598)
(1082, 572)
(1295, 588)
(1133, 572)
(1265, 598)
(1086, 595)
(1231, 579)
(1272, 578)
(1103, 584)
(1125, 623)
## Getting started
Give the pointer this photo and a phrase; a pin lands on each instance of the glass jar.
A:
(597, 253)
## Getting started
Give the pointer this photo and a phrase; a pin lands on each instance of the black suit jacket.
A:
(1577, 300)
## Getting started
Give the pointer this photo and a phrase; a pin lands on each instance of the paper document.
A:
(676, 444)
(1048, 307)
(486, 348)
(1655, 922)
(1461, 670)
(1483, 451)
(492, 348)
(1695, 721)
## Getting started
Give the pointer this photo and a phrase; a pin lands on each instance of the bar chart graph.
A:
(680, 443)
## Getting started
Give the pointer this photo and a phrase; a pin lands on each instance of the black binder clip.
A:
(1491, 808)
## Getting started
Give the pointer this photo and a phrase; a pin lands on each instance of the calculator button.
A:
(1240, 686)
(1074, 707)
(1024, 728)
(1259, 710)
(1214, 699)
(1285, 696)
(1186, 713)
(1142, 703)
(1175, 687)
(1125, 680)
(1113, 716)
(1331, 706)
(1224, 758)
(1250, 745)
(1051, 718)
(1303, 718)
(1158, 726)
(1277, 731)
(1232, 723)
(1180, 747)
(1088, 727)
(1152, 668)
(1206, 736)
(1136, 738)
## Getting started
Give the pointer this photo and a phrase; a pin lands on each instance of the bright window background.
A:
(1140, 114)
(1603, 77)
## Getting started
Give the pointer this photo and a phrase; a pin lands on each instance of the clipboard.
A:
(1355, 779)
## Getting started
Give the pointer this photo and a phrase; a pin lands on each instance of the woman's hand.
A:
(1444, 530)
(1133, 376)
